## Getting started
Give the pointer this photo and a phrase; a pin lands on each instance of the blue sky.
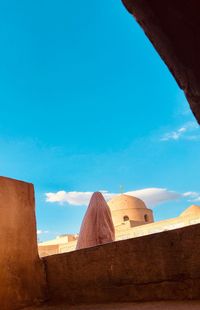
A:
(87, 104)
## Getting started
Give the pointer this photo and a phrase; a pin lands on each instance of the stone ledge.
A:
(162, 266)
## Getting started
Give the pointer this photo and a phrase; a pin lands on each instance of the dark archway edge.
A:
(173, 27)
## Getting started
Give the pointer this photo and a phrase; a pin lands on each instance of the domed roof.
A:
(192, 210)
(120, 202)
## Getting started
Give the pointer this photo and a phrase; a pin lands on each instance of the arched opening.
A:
(146, 218)
(126, 218)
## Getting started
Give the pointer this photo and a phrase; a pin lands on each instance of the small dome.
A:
(126, 208)
(126, 202)
(192, 210)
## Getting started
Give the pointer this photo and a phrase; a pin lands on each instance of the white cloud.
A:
(192, 196)
(196, 199)
(41, 232)
(73, 198)
(154, 196)
(151, 196)
(187, 132)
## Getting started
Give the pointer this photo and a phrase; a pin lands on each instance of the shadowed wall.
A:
(173, 27)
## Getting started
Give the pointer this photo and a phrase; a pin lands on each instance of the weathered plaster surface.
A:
(162, 266)
(22, 278)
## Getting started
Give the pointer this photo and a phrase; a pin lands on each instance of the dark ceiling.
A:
(173, 27)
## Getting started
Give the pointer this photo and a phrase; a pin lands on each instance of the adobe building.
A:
(127, 212)
(131, 219)
(61, 244)
(164, 266)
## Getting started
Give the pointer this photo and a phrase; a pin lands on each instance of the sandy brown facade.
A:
(22, 275)
(129, 228)
(131, 219)
(163, 266)
(125, 208)
(127, 212)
